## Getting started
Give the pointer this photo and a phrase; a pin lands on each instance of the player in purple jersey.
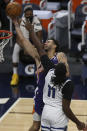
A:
(51, 47)
(41, 76)
(39, 90)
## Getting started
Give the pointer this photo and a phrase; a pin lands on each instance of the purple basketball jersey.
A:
(39, 90)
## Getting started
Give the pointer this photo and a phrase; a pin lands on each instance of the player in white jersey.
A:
(61, 88)
(28, 15)
(53, 116)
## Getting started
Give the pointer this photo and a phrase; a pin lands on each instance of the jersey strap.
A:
(66, 82)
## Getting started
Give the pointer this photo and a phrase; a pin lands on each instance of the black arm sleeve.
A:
(47, 63)
(68, 90)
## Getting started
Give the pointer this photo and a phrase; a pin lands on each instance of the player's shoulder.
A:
(35, 18)
(50, 72)
(67, 85)
(68, 81)
(61, 54)
(22, 20)
(62, 57)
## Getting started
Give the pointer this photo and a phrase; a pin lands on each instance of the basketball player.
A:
(51, 47)
(28, 15)
(57, 96)
(57, 91)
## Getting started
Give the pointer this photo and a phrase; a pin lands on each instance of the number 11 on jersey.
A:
(51, 91)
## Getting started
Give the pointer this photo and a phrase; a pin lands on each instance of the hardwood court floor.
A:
(19, 116)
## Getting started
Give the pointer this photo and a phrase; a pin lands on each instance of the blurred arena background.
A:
(64, 20)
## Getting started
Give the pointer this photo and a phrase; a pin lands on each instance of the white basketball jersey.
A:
(36, 23)
(52, 95)
(23, 29)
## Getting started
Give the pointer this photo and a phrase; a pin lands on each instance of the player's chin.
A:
(46, 49)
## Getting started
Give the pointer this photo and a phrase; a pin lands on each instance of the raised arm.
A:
(47, 64)
(26, 44)
(35, 39)
(28, 47)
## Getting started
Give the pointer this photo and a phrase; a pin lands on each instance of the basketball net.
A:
(5, 36)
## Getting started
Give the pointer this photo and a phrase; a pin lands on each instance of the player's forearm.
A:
(18, 31)
(26, 44)
(39, 35)
(71, 116)
(67, 110)
(37, 42)
(34, 38)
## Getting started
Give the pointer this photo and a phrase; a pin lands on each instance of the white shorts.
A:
(53, 119)
(36, 117)
(53, 129)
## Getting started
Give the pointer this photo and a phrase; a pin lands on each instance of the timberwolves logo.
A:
(30, 69)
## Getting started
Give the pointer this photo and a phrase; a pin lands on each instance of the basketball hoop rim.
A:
(6, 37)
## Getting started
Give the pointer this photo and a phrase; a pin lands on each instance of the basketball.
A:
(13, 9)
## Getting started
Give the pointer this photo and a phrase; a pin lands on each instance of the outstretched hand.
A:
(81, 126)
(28, 25)
(15, 20)
(85, 128)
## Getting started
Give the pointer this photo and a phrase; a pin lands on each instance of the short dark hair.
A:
(28, 7)
(60, 74)
(56, 43)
